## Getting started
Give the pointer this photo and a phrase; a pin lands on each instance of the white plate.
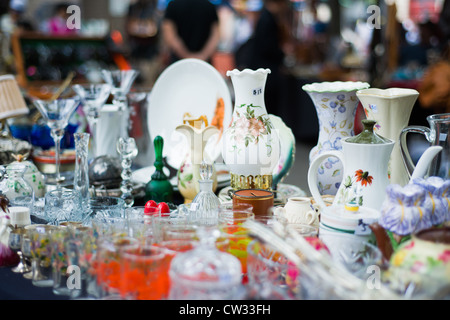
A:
(187, 86)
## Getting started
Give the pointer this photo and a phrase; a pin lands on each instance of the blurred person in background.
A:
(143, 30)
(268, 47)
(12, 21)
(191, 29)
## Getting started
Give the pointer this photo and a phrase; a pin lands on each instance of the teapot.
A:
(365, 159)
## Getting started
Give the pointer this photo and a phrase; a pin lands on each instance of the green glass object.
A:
(367, 136)
(159, 187)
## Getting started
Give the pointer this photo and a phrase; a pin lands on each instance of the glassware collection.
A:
(253, 245)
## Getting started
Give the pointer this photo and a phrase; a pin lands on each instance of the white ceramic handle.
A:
(310, 217)
(312, 174)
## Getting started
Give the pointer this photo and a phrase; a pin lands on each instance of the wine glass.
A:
(120, 82)
(128, 150)
(15, 243)
(93, 97)
(56, 114)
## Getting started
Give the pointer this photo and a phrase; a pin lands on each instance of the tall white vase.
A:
(391, 109)
(251, 146)
(335, 104)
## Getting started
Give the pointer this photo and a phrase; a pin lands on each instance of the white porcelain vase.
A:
(251, 145)
(391, 109)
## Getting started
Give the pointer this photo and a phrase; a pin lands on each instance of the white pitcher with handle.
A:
(365, 161)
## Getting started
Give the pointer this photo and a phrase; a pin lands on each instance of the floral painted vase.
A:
(197, 133)
(251, 145)
(335, 104)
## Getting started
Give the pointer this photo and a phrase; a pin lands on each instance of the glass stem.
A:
(57, 137)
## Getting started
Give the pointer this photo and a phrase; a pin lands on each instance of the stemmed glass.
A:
(93, 97)
(128, 150)
(121, 82)
(15, 243)
(56, 114)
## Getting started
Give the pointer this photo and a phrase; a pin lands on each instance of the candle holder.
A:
(261, 200)
(128, 151)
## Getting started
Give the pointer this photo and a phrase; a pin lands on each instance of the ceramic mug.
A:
(299, 210)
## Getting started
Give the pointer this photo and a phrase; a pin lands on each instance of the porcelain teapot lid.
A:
(367, 135)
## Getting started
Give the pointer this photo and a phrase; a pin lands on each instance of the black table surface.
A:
(14, 286)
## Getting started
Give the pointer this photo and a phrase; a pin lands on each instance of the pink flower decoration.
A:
(256, 127)
(445, 256)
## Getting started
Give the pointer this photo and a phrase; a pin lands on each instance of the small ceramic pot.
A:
(427, 253)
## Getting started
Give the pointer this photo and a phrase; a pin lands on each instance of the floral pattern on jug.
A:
(351, 192)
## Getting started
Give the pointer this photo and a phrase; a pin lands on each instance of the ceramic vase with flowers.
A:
(335, 104)
(251, 145)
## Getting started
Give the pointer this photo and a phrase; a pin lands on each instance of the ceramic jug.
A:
(251, 144)
(197, 132)
(335, 104)
(299, 210)
(438, 134)
(365, 163)
(391, 108)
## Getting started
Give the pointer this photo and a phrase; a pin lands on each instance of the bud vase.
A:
(335, 104)
(251, 146)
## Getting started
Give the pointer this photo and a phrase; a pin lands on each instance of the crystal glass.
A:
(205, 273)
(127, 149)
(93, 97)
(239, 238)
(15, 244)
(56, 114)
(63, 205)
(139, 223)
(105, 227)
(105, 207)
(143, 273)
(108, 263)
(41, 254)
(60, 275)
(81, 176)
(26, 252)
(271, 275)
(81, 250)
(121, 82)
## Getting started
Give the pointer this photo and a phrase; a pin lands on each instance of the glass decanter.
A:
(206, 203)
(205, 273)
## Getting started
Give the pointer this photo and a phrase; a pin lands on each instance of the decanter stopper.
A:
(206, 171)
